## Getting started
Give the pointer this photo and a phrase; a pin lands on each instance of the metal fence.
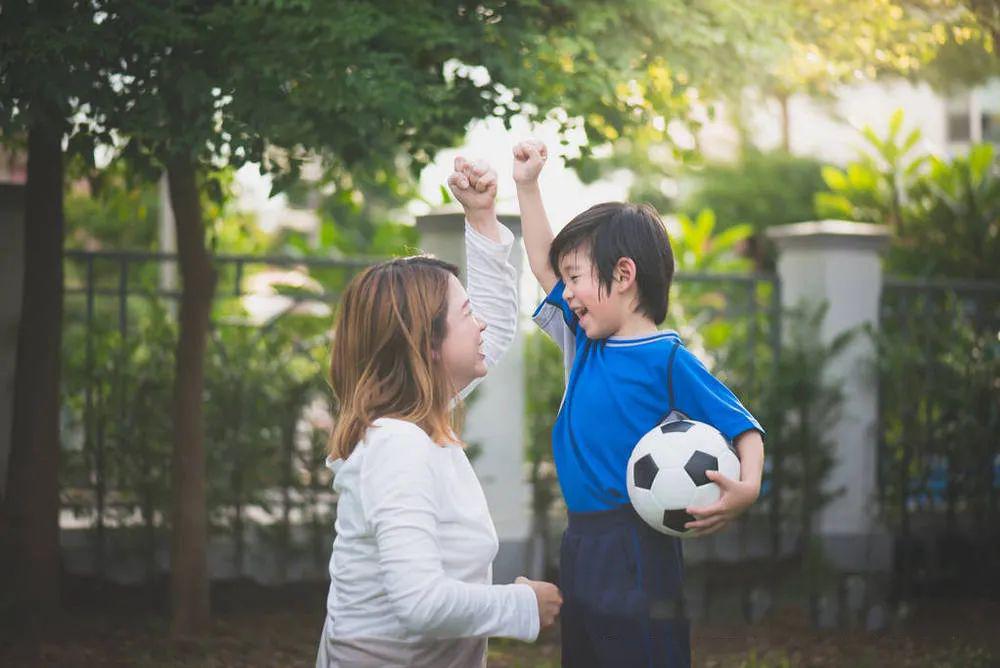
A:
(734, 322)
(266, 416)
(266, 405)
(938, 363)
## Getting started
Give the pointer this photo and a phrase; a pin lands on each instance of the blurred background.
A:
(187, 187)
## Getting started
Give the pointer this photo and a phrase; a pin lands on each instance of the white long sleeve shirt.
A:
(411, 568)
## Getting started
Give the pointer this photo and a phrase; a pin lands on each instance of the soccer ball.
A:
(666, 473)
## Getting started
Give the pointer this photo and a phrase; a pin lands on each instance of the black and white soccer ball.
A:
(666, 473)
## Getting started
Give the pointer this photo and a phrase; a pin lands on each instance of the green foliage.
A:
(626, 70)
(265, 435)
(960, 654)
(365, 82)
(938, 398)
(361, 215)
(544, 383)
(112, 210)
(698, 248)
(800, 405)
(51, 61)
(951, 226)
(702, 309)
(261, 389)
(116, 209)
(885, 37)
(124, 427)
(960, 64)
(873, 188)
(753, 660)
(945, 215)
(760, 189)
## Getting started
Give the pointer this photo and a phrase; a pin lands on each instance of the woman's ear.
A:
(624, 273)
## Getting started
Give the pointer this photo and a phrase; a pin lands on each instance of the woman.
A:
(411, 564)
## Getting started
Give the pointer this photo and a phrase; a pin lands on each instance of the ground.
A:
(254, 627)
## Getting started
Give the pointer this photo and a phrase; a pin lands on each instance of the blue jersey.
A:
(617, 389)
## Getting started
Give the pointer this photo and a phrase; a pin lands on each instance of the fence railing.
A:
(266, 410)
(267, 407)
(938, 363)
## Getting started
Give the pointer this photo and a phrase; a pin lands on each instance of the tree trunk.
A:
(786, 123)
(188, 545)
(30, 521)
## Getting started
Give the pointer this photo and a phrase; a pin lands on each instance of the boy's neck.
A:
(636, 325)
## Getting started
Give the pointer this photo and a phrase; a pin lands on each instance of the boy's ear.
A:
(624, 273)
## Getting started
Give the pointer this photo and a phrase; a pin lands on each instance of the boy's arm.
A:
(529, 158)
(703, 397)
(750, 448)
(737, 495)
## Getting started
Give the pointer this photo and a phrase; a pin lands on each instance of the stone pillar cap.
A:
(831, 233)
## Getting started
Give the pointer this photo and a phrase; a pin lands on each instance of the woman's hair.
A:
(393, 317)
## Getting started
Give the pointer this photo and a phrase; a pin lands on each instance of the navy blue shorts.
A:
(623, 602)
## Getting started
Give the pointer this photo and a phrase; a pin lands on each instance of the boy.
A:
(607, 275)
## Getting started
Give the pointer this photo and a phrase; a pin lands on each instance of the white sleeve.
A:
(492, 286)
(399, 497)
(554, 318)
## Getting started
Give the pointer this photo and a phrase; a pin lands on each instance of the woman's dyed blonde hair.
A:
(392, 319)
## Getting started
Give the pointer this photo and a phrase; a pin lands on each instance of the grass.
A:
(256, 628)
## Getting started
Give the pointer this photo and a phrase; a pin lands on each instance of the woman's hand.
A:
(474, 185)
(549, 600)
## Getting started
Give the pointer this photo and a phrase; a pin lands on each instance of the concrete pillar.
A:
(11, 279)
(839, 263)
(495, 421)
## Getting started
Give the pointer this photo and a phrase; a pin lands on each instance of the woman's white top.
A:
(411, 568)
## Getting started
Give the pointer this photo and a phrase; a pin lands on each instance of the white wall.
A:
(829, 130)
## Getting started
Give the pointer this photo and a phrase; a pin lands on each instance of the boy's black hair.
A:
(614, 230)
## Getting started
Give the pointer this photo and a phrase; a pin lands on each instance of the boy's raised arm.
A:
(529, 158)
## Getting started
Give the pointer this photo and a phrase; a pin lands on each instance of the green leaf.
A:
(835, 178)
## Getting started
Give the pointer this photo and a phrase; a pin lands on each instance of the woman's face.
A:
(461, 351)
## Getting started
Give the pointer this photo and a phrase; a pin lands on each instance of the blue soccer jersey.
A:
(616, 391)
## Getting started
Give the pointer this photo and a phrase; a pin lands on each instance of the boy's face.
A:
(599, 313)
